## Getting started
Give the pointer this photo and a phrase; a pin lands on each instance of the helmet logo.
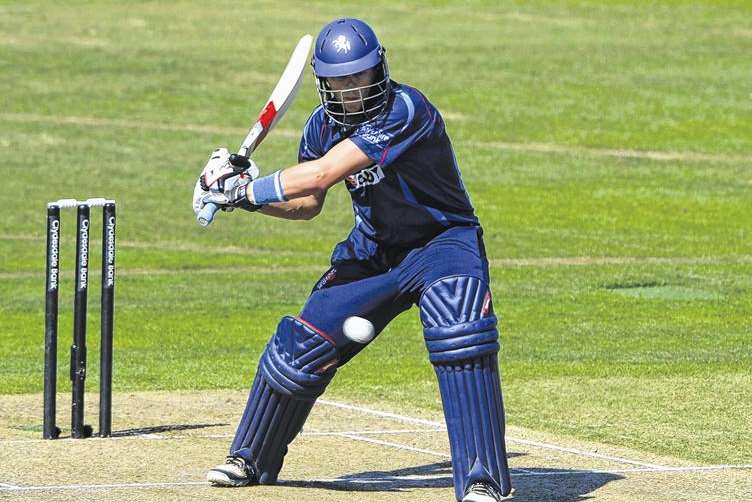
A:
(341, 43)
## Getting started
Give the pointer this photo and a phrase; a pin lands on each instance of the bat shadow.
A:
(156, 429)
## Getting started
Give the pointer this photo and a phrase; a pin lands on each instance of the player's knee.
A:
(458, 320)
(299, 361)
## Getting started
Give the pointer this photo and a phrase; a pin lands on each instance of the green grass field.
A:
(607, 148)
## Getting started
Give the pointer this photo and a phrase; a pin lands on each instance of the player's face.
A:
(349, 85)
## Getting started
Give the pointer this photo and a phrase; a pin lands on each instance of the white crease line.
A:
(95, 438)
(377, 479)
(584, 453)
(150, 436)
(292, 133)
(437, 425)
(394, 445)
(371, 432)
(6, 485)
(103, 486)
(636, 470)
(693, 468)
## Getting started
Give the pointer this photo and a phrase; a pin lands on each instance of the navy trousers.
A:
(379, 294)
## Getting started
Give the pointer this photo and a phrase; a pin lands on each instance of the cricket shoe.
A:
(482, 492)
(234, 472)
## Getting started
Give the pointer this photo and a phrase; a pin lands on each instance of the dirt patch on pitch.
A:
(164, 442)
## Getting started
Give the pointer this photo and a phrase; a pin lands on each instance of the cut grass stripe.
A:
(610, 152)
(178, 246)
(130, 124)
(499, 262)
(550, 148)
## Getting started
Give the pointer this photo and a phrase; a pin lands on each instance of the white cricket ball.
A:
(358, 329)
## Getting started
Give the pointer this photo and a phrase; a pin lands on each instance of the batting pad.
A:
(462, 341)
(297, 365)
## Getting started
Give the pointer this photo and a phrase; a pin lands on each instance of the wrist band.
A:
(243, 201)
(268, 189)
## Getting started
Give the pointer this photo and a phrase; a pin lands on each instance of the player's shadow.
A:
(156, 429)
(530, 484)
(538, 483)
(436, 475)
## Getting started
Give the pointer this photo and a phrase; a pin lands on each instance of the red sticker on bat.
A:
(267, 114)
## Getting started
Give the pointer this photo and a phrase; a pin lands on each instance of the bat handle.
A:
(206, 215)
(240, 160)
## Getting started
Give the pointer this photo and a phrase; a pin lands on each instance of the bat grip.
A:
(240, 160)
(206, 215)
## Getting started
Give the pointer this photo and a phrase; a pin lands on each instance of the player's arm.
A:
(303, 186)
(317, 176)
(298, 192)
(302, 208)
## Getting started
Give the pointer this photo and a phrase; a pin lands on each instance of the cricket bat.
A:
(282, 97)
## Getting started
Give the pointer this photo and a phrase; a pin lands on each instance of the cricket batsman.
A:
(415, 241)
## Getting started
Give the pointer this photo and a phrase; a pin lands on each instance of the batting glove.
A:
(223, 165)
(234, 195)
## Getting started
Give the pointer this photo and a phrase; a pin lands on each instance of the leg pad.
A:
(297, 365)
(462, 341)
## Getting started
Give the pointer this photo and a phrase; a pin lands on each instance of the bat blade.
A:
(282, 96)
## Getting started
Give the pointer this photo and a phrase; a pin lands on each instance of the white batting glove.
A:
(234, 195)
(217, 168)
(222, 165)
(199, 196)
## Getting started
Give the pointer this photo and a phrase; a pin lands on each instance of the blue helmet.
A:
(352, 76)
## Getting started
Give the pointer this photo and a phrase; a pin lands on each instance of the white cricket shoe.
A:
(482, 492)
(234, 472)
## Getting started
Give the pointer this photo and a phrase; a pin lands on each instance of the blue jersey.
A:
(412, 192)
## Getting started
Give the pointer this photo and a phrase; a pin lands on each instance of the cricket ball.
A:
(358, 330)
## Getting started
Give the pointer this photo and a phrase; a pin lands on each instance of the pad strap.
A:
(463, 341)
(299, 361)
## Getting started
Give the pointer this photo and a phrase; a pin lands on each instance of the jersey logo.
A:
(328, 277)
(364, 177)
(373, 135)
(341, 43)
